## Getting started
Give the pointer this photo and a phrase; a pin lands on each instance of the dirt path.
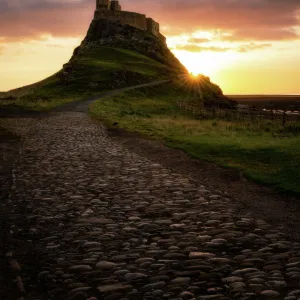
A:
(79, 106)
(83, 106)
(94, 220)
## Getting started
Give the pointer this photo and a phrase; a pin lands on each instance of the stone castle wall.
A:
(152, 27)
(115, 6)
(130, 18)
(111, 10)
(162, 38)
(103, 4)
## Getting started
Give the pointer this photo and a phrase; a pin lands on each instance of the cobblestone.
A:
(110, 224)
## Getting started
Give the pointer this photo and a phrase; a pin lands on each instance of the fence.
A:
(200, 111)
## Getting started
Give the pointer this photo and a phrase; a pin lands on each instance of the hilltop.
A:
(113, 55)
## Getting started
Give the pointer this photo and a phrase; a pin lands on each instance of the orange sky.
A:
(245, 46)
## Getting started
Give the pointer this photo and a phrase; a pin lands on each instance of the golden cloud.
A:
(246, 20)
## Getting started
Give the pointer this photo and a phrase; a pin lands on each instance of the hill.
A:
(112, 55)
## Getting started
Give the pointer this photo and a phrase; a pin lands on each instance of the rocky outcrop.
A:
(114, 34)
(110, 33)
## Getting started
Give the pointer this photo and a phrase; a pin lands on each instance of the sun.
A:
(194, 74)
(207, 63)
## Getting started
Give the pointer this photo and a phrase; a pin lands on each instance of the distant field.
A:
(265, 97)
(279, 101)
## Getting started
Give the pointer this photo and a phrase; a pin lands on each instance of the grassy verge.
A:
(264, 151)
(22, 105)
(95, 70)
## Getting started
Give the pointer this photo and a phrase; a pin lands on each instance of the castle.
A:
(111, 10)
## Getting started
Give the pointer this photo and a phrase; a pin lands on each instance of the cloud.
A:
(194, 40)
(244, 19)
(262, 34)
(247, 20)
(30, 19)
(243, 48)
(252, 46)
(196, 48)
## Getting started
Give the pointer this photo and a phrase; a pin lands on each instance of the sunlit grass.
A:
(264, 150)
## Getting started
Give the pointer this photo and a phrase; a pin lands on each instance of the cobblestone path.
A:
(105, 223)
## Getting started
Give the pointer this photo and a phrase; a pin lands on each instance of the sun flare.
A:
(194, 74)
(207, 63)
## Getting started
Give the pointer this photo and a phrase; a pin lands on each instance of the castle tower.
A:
(102, 4)
(115, 6)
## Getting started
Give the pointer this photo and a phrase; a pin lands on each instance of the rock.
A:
(244, 271)
(91, 244)
(80, 289)
(272, 268)
(269, 294)
(114, 288)
(278, 285)
(232, 279)
(152, 286)
(195, 255)
(145, 259)
(134, 276)
(181, 281)
(187, 295)
(80, 268)
(105, 265)
(211, 297)
(295, 293)
(100, 221)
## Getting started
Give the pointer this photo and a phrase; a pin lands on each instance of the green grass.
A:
(24, 105)
(96, 70)
(265, 151)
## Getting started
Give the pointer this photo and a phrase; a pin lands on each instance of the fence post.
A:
(284, 118)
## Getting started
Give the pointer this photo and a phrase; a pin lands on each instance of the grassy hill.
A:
(111, 56)
(98, 69)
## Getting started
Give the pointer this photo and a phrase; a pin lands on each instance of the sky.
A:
(245, 46)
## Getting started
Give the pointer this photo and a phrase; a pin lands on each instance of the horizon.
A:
(246, 47)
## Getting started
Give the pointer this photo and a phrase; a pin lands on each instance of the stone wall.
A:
(162, 38)
(130, 18)
(103, 4)
(153, 27)
(115, 6)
